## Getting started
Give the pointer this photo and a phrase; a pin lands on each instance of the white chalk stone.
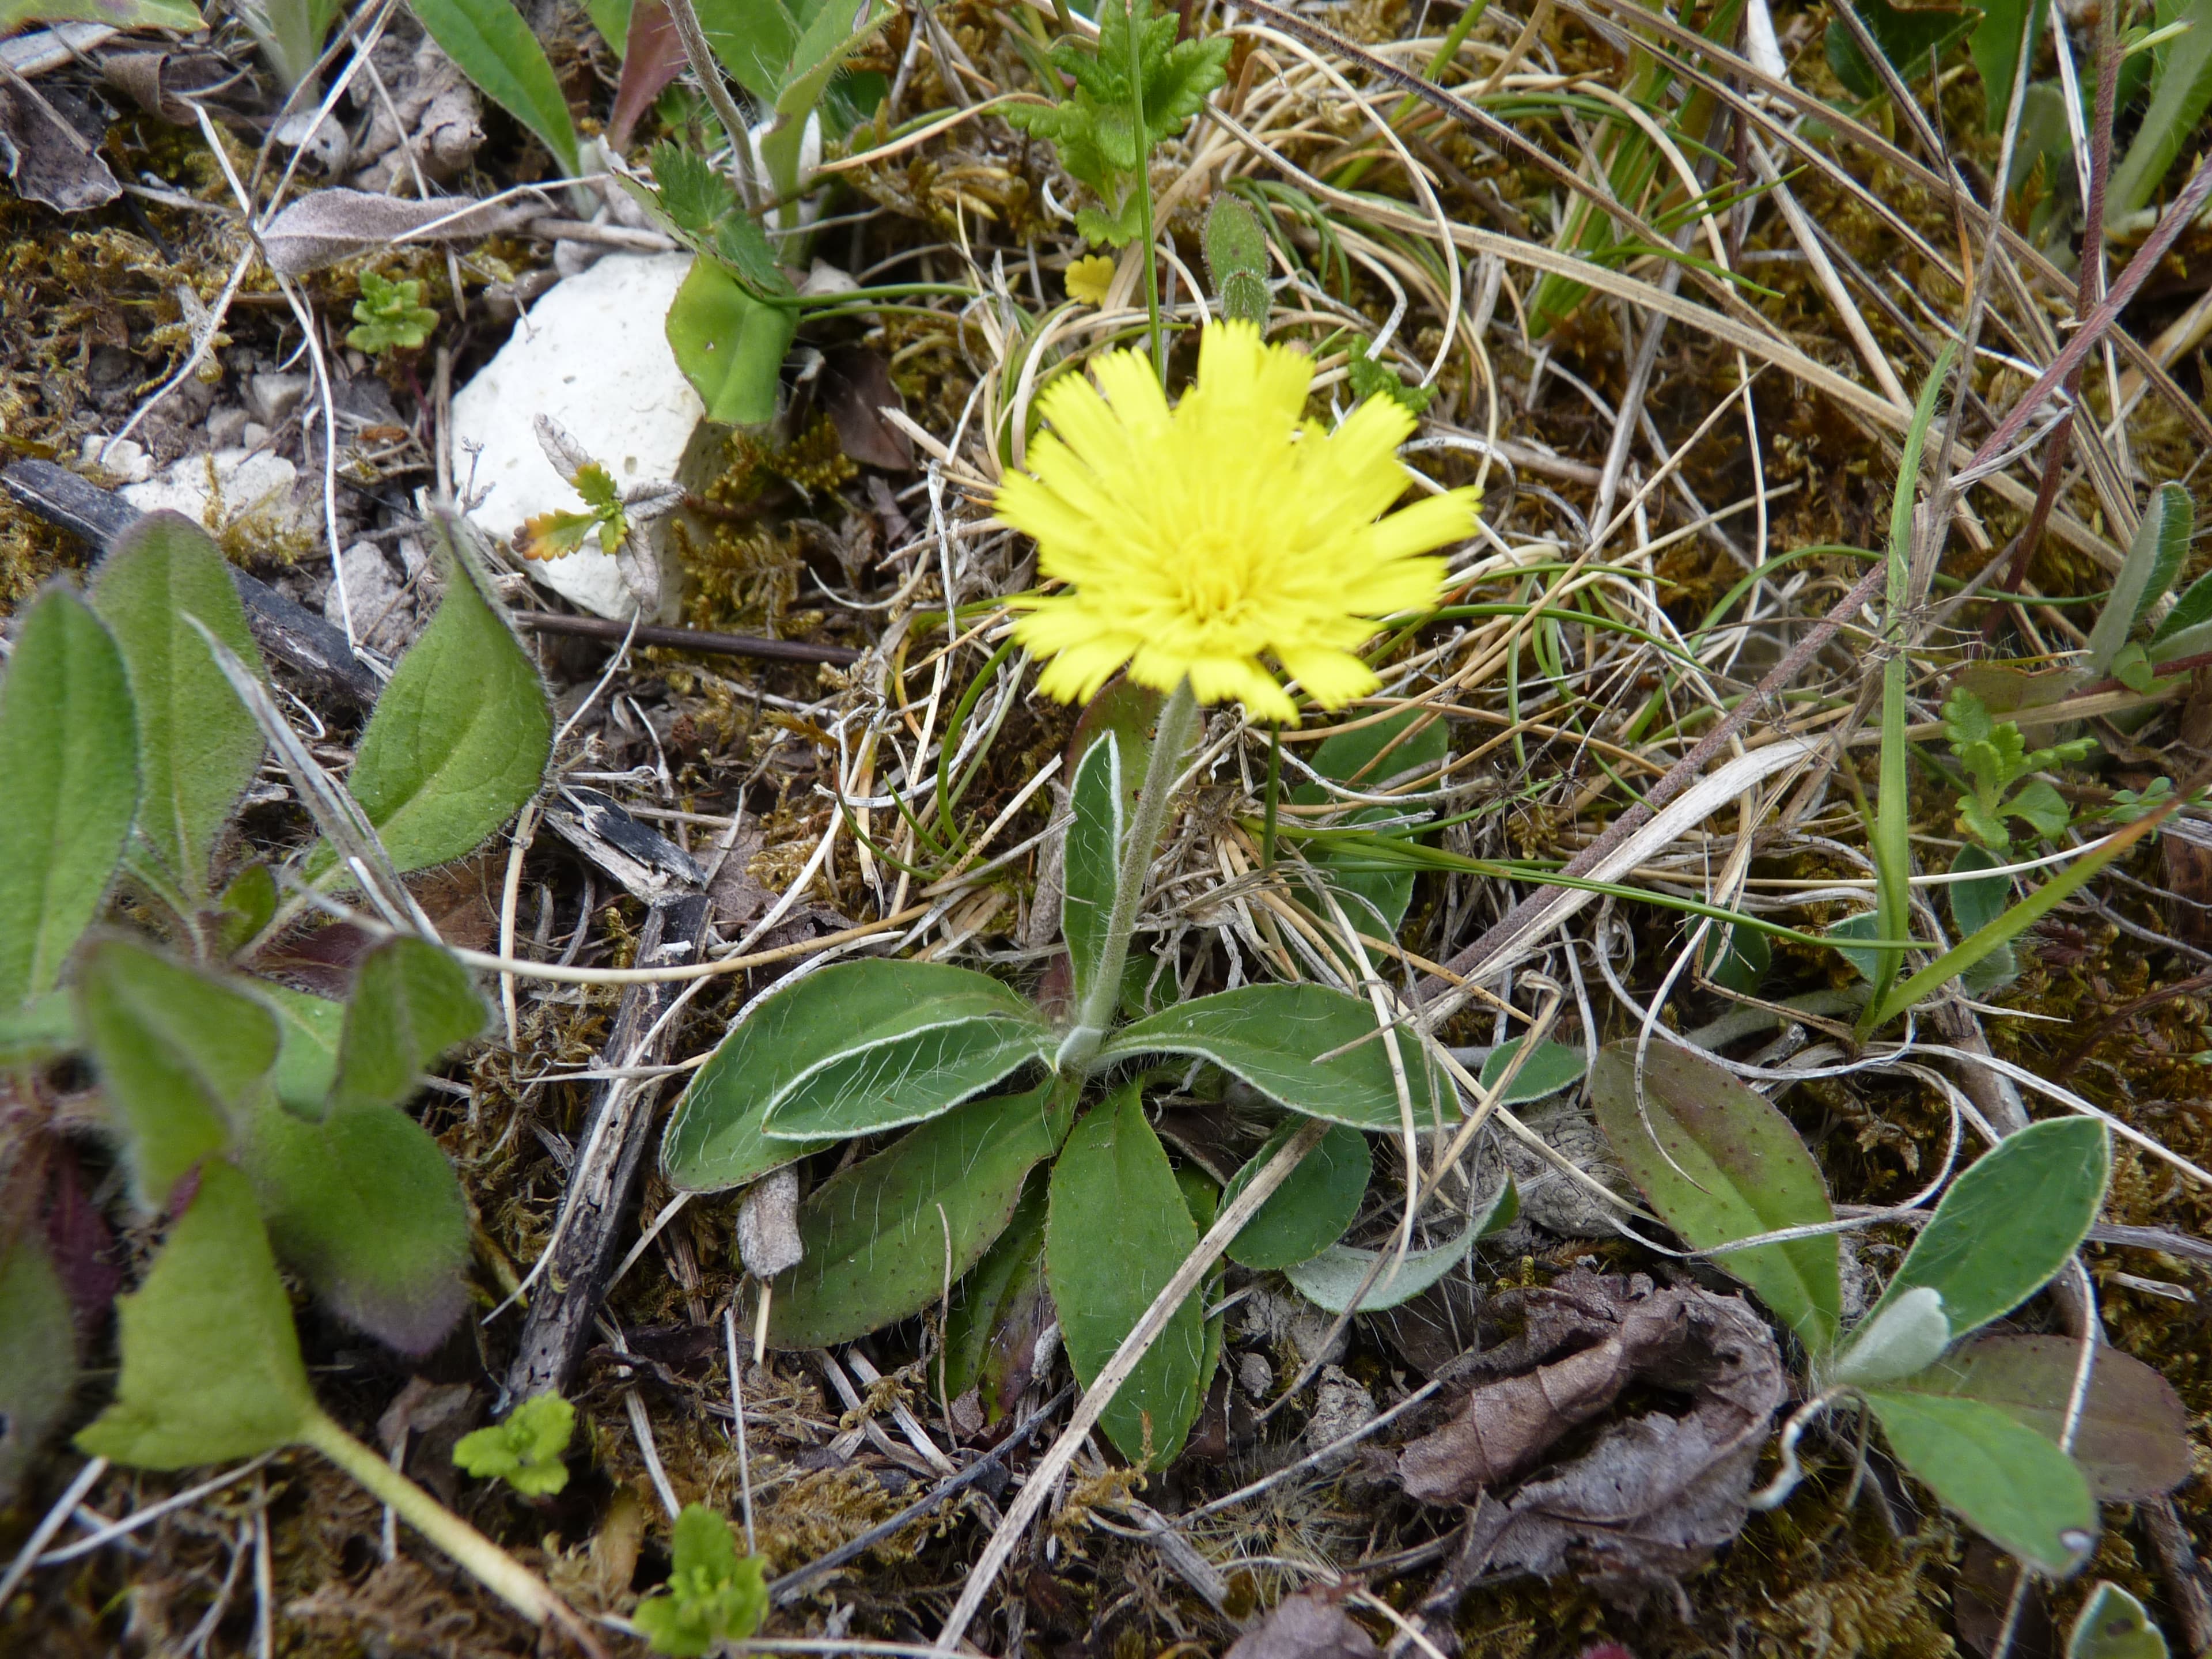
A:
(246, 481)
(594, 354)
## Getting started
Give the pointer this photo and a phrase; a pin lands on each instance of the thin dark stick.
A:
(784, 1590)
(688, 639)
(2176, 219)
(2088, 288)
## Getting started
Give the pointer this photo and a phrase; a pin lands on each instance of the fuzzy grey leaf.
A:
(330, 225)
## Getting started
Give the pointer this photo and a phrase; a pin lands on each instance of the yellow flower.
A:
(1088, 278)
(1196, 539)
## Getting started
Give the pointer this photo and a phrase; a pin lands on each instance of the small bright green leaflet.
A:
(389, 315)
(858, 1046)
(310, 1028)
(1117, 1232)
(461, 733)
(1099, 800)
(1274, 1036)
(2154, 559)
(1311, 1210)
(2009, 1222)
(1552, 1067)
(2009, 1483)
(69, 751)
(695, 201)
(1332, 1278)
(1914, 40)
(2112, 1624)
(729, 344)
(180, 1058)
(1357, 760)
(198, 746)
(365, 1205)
(411, 1003)
(211, 1365)
(495, 49)
(179, 15)
(1006, 1285)
(1095, 129)
(883, 1236)
(526, 1451)
(2181, 90)
(38, 1359)
(712, 1595)
(2132, 1439)
(1743, 1171)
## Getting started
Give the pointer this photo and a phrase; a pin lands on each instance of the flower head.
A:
(1196, 540)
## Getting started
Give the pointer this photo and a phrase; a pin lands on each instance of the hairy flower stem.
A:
(1144, 203)
(493, 1567)
(1155, 802)
(708, 73)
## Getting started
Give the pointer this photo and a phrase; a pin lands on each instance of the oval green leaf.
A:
(884, 1237)
(729, 344)
(181, 1058)
(199, 747)
(1552, 1066)
(1332, 1278)
(460, 735)
(365, 1205)
(810, 1046)
(1117, 1232)
(68, 746)
(1738, 1169)
(2008, 1481)
(1309, 1211)
(1316, 1050)
(37, 1362)
(2132, 1439)
(495, 48)
(1099, 800)
(2009, 1222)
(211, 1365)
(411, 1002)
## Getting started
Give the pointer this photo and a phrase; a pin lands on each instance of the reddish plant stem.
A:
(2087, 290)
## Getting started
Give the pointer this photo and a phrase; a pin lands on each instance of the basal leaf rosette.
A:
(1202, 540)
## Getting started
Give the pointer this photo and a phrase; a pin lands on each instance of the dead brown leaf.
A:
(1656, 1494)
(1311, 1625)
(46, 157)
